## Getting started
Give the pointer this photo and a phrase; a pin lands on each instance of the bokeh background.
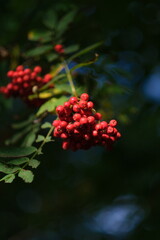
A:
(94, 194)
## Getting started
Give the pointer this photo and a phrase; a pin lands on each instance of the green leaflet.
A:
(13, 152)
(26, 175)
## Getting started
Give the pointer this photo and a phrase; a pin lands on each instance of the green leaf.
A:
(34, 163)
(50, 19)
(72, 48)
(51, 57)
(14, 152)
(64, 22)
(29, 139)
(55, 79)
(8, 178)
(39, 50)
(18, 161)
(42, 36)
(7, 169)
(51, 105)
(23, 123)
(26, 175)
(84, 51)
(46, 125)
(84, 64)
(40, 138)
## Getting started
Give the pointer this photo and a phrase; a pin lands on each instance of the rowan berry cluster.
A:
(25, 82)
(59, 48)
(79, 125)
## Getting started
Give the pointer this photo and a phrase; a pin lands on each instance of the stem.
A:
(69, 76)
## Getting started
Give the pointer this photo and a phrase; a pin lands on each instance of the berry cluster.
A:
(24, 83)
(80, 127)
(59, 48)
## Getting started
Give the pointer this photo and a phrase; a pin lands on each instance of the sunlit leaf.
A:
(7, 169)
(34, 163)
(8, 178)
(26, 175)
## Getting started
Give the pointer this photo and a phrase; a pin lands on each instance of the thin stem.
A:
(69, 76)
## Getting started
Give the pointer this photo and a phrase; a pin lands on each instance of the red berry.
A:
(98, 116)
(104, 124)
(63, 124)
(56, 123)
(73, 100)
(10, 74)
(76, 117)
(83, 120)
(59, 109)
(76, 108)
(84, 96)
(37, 69)
(113, 123)
(59, 48)
(91, 119)
(19, 68)
(82, 104)
(90, 105)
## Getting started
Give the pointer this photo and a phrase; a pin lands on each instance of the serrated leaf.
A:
(34, 163)
(40, 138)
(46, 125)
(7, 169)
(84, 51)
(39, 50)
(72, 48)
(8, 178)
(26, 175)
(18, 161)
(50, 19)
(51, 105)
(51, 57)
(64, 22)
(13, 152)
(49, 139)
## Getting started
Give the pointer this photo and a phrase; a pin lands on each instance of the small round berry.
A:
(118, 135)
(104, 124)
(63, 124)
(90, 105)
(47, 77)
(98, 116)
(10, 74)
(95, 133)
(82, 104)
(84, 96)
(73, 100)
(76, 117)
(76, 108)
(87, 137)
(77, 124)
(21, 73)
(110, 129)
(64, 135)
(59, 48)
(83, 120)
(98, 126)
(65, 145)
(105, 136)
(19, 68)
(37, 69)
(59, 109)
(56, 123)
(67, 105)
(113, 123)
(70, 127)
(27, 71)
(26, 78)
(91, 119)
(33, 75)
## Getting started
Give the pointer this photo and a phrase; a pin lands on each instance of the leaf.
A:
(51, 57)
(34, 163)
(64, 22)
(23, 123)
(44, 95)
(26, 175)
(50, 19)
(46, 125)
(39, 50)
(18, 161)
(29, 139)
(84, 64)
(8, 178)
(51, 105)
(40, 138)
(14, 152)
(42, 36)
(84, 51)
(72, 48)
(55, 79)
(7, 169)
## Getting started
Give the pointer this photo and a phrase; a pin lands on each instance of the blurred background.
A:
(93, 194)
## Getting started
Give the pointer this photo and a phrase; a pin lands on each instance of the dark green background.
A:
(94, 194)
